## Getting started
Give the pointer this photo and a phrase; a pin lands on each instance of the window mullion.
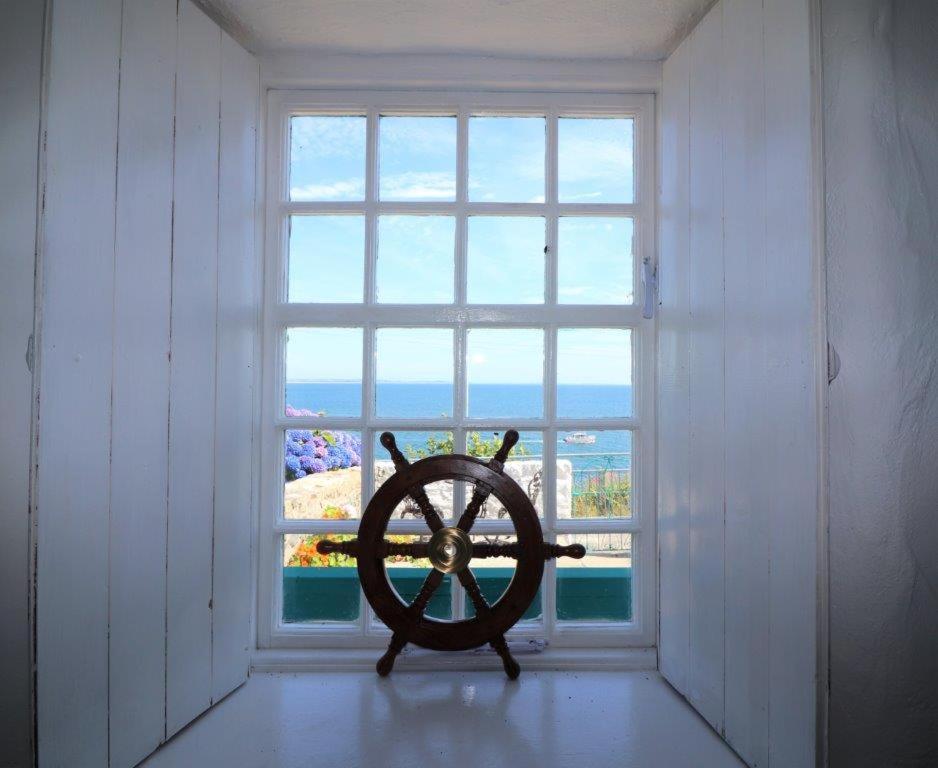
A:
(462, 194)
(371, 207)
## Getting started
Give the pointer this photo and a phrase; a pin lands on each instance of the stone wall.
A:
(308, 497)
(525, 472)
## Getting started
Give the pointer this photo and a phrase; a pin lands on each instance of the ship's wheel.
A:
(450, 550)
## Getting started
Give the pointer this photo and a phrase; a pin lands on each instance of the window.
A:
(446, 268)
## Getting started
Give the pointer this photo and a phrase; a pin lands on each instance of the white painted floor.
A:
(452, 719)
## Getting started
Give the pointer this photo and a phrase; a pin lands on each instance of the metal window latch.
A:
(833, 363)
(30, 352)
(650, 287)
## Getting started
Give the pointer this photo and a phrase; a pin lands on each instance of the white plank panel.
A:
(21, 38)
(748, 472)
(705, 273)
(192, 376)
(75, 402)
(790, 312)
(673, 394)
(234, 404)
(139, 430)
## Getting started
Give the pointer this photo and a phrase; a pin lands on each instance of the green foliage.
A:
(476, 445)
(608, 494)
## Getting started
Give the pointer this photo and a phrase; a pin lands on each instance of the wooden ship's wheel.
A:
(450, 550)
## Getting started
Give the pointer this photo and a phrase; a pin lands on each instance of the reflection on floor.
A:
(452, 719)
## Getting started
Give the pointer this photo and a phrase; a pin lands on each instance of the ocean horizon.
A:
(611, 449)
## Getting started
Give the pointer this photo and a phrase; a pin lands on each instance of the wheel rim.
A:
(506, 611)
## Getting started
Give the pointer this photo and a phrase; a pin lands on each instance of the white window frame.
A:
(278, 315)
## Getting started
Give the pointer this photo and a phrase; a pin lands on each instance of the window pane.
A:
(595, 260)
(327, 158)
(506, 260)
(595, 160)
(418, 158)
(524, 466)
(327, 257)
(594, 474)
(407, 575)
(416, 446)
(594, 372)
(318, 588)
(494, 574)
(322, 478)
(415, 259)
(324, 371)
(414, 372)
(506, 159)
(506, 372)
(598, 587)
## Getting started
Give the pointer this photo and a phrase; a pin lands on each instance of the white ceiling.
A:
(594, 29)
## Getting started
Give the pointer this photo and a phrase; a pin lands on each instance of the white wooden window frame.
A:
(279, 315)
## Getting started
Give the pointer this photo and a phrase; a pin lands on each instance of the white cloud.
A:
(329, 136)
(419, 185)
(351, 189)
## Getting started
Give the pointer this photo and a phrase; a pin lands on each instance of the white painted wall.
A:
(881, 148)
(739, 379)
(21, 68)
(147, 306)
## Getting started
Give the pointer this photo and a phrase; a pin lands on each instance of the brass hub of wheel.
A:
(450, 550)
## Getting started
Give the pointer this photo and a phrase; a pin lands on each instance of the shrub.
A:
(309, 451)
(606, 494)
(476, 445)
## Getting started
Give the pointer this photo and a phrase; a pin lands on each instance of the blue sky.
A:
(493, 355)
(416, 254)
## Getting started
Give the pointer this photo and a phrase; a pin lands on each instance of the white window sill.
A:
(419, 659)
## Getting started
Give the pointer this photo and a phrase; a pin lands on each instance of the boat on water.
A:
(580, 438)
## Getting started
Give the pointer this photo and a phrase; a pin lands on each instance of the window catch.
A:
(650, 287)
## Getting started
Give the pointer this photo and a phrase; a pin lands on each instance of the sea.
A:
(611, 450)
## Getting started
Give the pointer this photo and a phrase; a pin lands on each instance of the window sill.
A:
(418, 659)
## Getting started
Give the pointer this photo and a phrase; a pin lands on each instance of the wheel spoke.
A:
(512, 550)
(482, 492)
(417, 493)
(576, 551)
(416, 550)
(328, 547)
(469, 583)
(479, 495)
(430, 515)
(429, 586)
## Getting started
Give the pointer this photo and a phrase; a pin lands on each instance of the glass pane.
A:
(324, 371)
(318, 588)
(407, 575)
(414, 372)
(598, 587)
(415, 259)
(594, 372)
(327, 259)
(322, 478)
(418, 158)
(327, 157)
(506, 159)
(416, 446)
(595, 160)
(595, 260)
(524, 466)
(506, 260)
(506, 373)
(494, 574)
(594, 474)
